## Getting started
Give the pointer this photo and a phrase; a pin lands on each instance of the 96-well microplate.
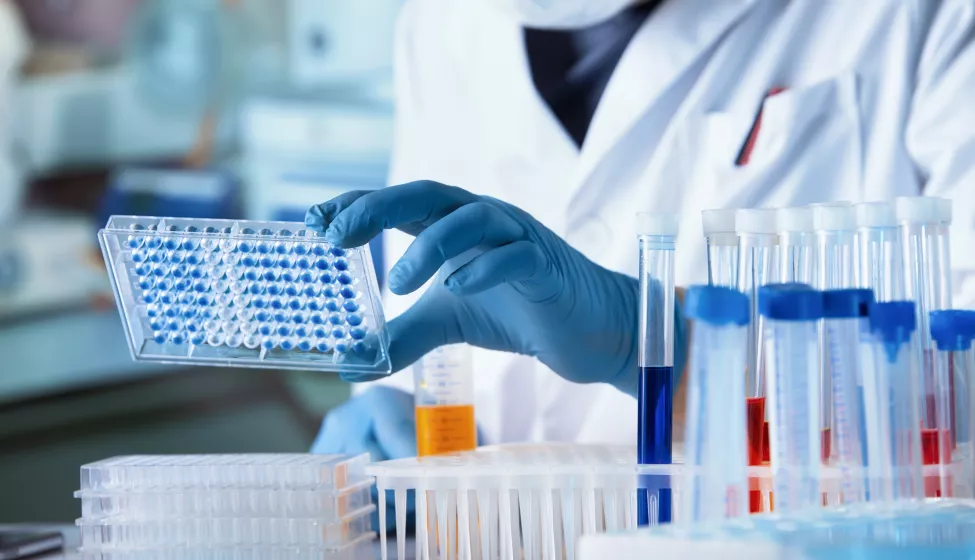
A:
(246, 294)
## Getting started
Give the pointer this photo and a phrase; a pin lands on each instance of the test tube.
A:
(947, 444)
(444, 400)
(757, 244)
(792, 313)
(722, 241)
(845, 315)
(797, 245)
(716, 476)
(944, 251)
(879, 252)
(835, 225)
(890, 398)
(658, 234)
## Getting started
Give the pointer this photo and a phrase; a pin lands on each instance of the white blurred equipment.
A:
(14, 46)
(340, 41)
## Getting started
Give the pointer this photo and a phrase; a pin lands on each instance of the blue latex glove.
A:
(380, 421)
(527, 291)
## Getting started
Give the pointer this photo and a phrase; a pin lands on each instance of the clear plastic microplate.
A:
(246, 294)
(943, 529)
(358, 549)
(522, 501)
(324, 505)
(144, 473)
(223, 532)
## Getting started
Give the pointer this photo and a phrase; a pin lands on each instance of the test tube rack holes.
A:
(257, 294)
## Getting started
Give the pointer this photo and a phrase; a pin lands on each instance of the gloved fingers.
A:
(345, 429)
(430, 323)
(395, 429)
(416, 205)
(478, 224)
(320, 216)
(517, 262)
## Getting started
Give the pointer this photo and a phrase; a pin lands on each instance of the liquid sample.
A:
(755, 427)
(654, 437)
(767, 447)
(826, 444)
(445, 429)
(932, 446)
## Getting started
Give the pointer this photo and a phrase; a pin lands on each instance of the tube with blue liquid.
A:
(845, 320)
(792, 313)
(715, 456)
(658, 234)
(891, 391)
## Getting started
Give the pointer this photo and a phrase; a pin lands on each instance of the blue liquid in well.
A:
(654, 438)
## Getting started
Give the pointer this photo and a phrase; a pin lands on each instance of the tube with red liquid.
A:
(942, 443)
(757, 262)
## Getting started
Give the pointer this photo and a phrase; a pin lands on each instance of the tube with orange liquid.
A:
(444, 400)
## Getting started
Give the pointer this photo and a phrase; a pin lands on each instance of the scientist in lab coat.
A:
(581, 113)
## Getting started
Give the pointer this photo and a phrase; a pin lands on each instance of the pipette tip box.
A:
(244, 293)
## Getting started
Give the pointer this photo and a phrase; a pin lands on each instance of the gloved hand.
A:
(527, 291)
(380, 421)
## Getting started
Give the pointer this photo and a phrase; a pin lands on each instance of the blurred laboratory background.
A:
(192, 108)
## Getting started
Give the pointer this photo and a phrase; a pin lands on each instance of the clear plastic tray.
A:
(230, 502)
(523, 500)
(244, 294)
(359, 549)
(154, 473)
(222, 532)
(910, 529)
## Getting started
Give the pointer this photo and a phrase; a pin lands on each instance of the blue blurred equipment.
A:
(171, 192)
(379, 421)
(509, 282)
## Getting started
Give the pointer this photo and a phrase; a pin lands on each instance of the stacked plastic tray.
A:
(523, 501)
(226, 506)
(907, 530)
(245, 294)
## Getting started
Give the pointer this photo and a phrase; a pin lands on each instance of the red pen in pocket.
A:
(745, 153)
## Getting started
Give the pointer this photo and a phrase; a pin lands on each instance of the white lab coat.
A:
(880, 103)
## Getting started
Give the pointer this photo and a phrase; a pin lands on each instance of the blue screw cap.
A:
(952, 330)
(893, 321)
(847, 304)
(716, 305)
(790, 302)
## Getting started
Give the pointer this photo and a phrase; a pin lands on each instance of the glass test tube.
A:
(890, 397)
(797, 245)
(444, 399)
(716, 475)
(879, 252)
(844, 322)
(722, 245)
(835, 226)
(948, 443)
(658, 234)
(944, 251)
(792, 313)
(757, 245)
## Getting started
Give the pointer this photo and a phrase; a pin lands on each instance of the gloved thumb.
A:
(431, 322)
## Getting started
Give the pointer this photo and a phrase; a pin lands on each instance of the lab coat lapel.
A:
(677, 34)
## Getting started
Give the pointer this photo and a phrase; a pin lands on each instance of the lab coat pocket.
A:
(807, 149)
